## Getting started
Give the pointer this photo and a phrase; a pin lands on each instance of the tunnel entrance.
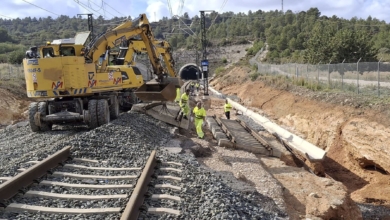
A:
(190, 72)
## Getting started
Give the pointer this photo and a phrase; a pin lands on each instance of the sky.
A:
(156, 9)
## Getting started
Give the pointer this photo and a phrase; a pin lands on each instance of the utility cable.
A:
(114, 9)
(6, 16)
(220, 10)
(40, 7)
(84, 6)
(170, 7)
(101, 6)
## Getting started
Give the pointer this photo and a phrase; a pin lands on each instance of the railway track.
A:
(61, 172)
(239, 135)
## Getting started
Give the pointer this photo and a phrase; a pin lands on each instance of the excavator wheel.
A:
(32, 110)
(92, 110)
(103, 112)
(42, 109)
(114, 108)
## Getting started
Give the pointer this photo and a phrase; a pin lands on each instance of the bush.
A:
(16, 57)
(219, 71)
(224, 60)
(254, 76)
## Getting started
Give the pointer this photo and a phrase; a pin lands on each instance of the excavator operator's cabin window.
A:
(68, 51)
(48, 52)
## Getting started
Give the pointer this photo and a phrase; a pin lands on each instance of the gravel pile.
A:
(127, 142)
(251, 123)
(374, 212)
(205, 196)
(19, 145)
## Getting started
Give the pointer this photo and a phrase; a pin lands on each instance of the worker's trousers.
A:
(198, 125)
(227, 115)
(185, 109)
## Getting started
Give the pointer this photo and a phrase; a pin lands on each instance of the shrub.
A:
(254, 76)
(219, 71)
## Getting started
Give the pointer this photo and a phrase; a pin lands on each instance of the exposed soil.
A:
(13, 102)
(353, 130)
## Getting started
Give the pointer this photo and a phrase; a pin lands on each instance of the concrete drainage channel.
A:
(132, 209)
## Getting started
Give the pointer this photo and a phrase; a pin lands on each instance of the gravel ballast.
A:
(127, 142)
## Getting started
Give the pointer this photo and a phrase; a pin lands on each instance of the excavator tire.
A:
(103, 112)
(92, 110)
(32, 110)
(42, 109)
(114, 108)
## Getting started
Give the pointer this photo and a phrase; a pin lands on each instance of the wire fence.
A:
(11, 71)
(363, 78)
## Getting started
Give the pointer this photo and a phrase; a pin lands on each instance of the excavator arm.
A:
(160, 89)
(163, 48)
(113, 38)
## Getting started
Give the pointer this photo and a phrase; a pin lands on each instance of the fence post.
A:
(357, 71)
(329, 73)
(318, 72)
(342, 75)
(307, 72)
(379, 62)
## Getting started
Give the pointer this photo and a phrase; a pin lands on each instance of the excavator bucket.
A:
(154, 91)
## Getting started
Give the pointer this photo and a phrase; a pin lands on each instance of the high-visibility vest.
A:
(227, 107)
(199, 112)
(184, 99)
(197, 85)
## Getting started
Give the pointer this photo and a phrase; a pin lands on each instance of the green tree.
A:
(16, 57)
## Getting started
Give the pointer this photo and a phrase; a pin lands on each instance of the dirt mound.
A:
(355, 134)
(12, 105)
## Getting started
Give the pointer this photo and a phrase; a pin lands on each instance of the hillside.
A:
(304, 37)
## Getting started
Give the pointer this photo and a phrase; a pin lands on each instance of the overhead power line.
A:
(5, 16)
(41, 8)
(220, 10)
(84, 6)
(101, 6)
(170, 7)
(114, 9)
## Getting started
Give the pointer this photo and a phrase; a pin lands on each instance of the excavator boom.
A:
(159, 89)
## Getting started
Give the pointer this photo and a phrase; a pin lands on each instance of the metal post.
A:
(329, 73)
(90, 25)
(342, 76)
(318, 72)
(357, 72)
(204, 48)
(379, 62)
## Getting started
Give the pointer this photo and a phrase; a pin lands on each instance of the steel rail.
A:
(11, 187)
(136, 200)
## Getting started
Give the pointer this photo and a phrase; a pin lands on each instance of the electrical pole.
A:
(90, 25)
(204, 62)
(282, 6)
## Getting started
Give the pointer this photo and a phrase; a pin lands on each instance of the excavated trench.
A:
(354, 136)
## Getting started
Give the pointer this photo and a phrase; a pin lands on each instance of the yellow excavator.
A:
(79, 85)
(127, 53)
